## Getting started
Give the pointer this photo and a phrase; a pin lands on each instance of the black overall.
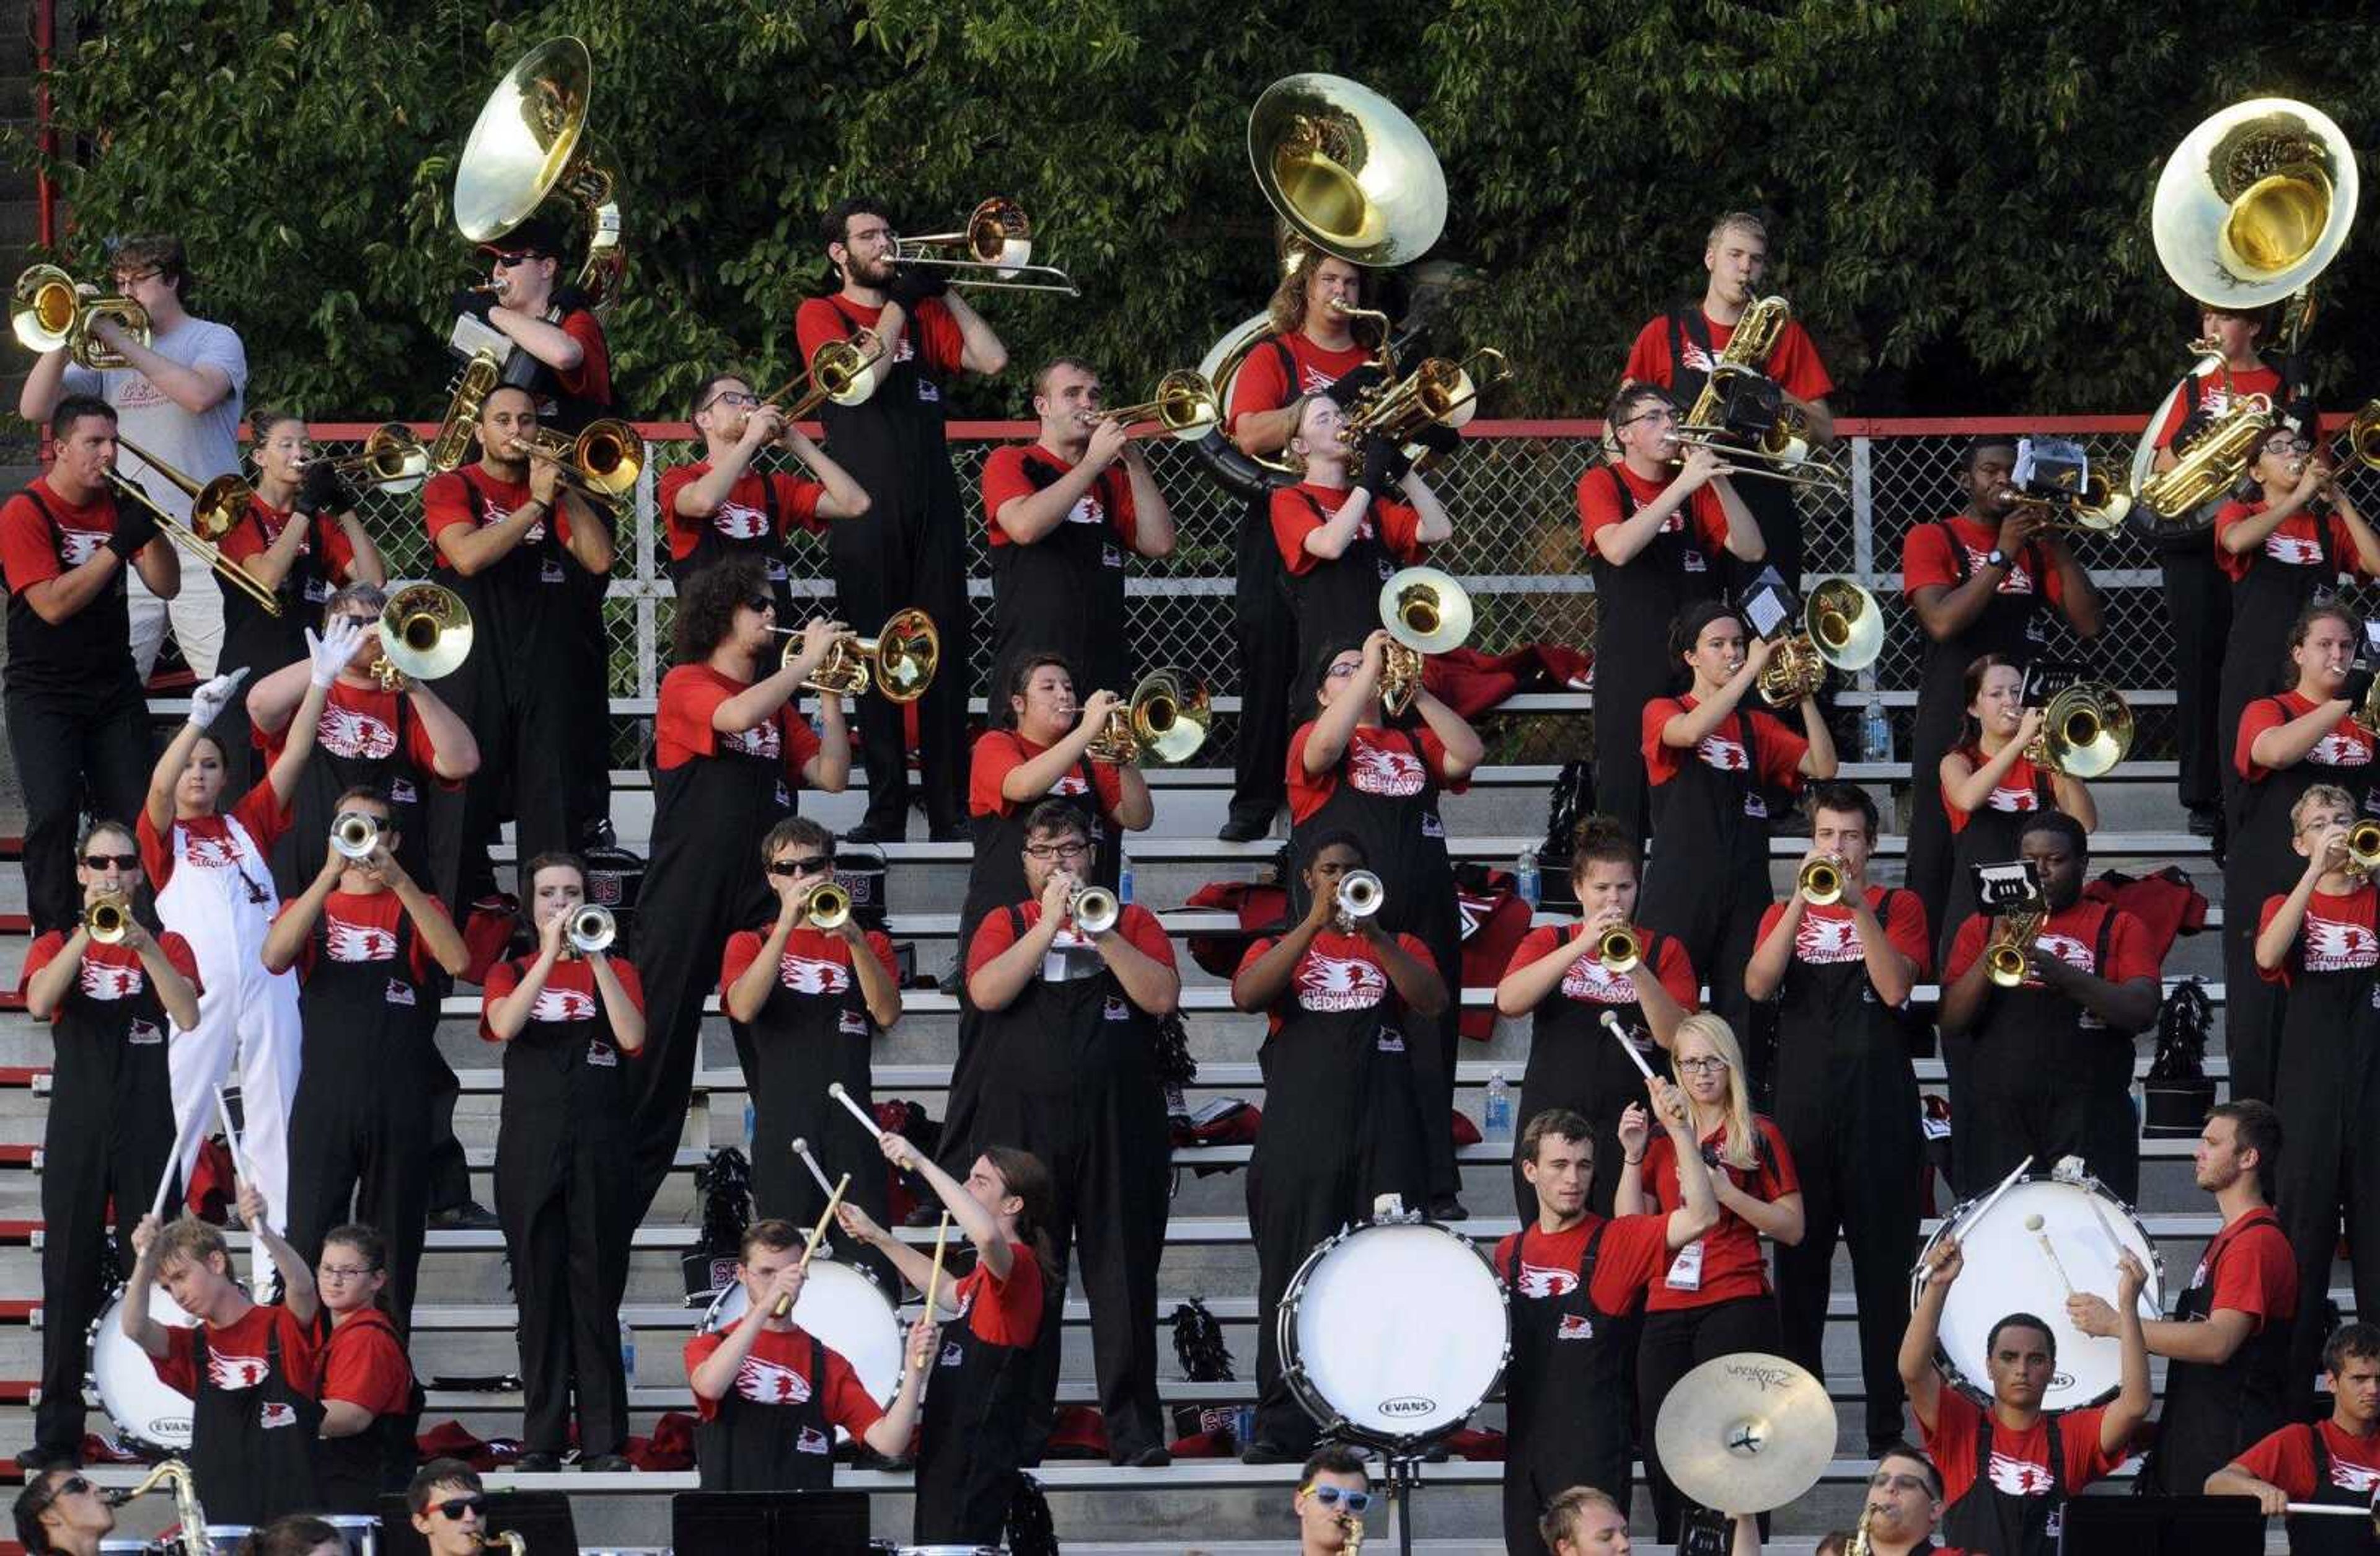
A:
(563, 1194)
(1565, 1394)
(1068, 1072)
(1771, 503)
(1404, 844)
(1988, 1521)
(2265, 601)
(1847, 1104)
(2012, 626)
(1265, 632)
(909, 550)
(2261, 863)
(750, 1446)
(259, 643)
(353, 1472)
(705, 883)
(1633, 607)
(2214, 1414)
(1063, 593)
(1337, 600)
(2039, 1081)
(105, 1143)
(1575, 1063)
(360, 1127)
(253, 1473)
(1332, 1077)
(2329, 1534)
(1989, 838)
(79, 726)
(979, 1410)
(712, 547)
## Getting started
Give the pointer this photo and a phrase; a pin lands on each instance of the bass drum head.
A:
(1393, 1333)
(845, 1311)
(145, 1411)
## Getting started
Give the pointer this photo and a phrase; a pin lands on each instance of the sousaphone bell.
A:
(2255, 202)
(530, 142)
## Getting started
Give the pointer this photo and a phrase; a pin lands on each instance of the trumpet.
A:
(1166, 721)
(1843, 626)
(1185, 407)
(2009, 957)
(602, 461)
(997, 239)
(1095, 910)
(2086, 731)
(355, 836)
(592, 929)
(48, 311)
(425, 632)
(392, 457)
(829, 908)
(2363, 851)
(107, 917)
(176, 1476)
(840, 371)
(189, 539)
(1822, 880)
(1360, 894)
(1618, 949)
(900, 661)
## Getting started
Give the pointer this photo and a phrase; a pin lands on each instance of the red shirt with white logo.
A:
(931, 335)
(261, 525)
(1632, 1257)
(999, 752)
(682, 730)
(2074, 937)
(1776, 755)
(236, 1353)
(1827, 935)
(777, 1371)
(2286, 1459)
(2337, 935)
(1926, 559)
(1376, 762)
(2020, 1461)
(206, 842)
(569, 993)
(592, 379)
(1298, 511)
(2349, 745)
(2019, 789)
(1793, 363)
(2296, 542)
(2216, 389)
(362, 927)
(743, 514)
(471, 496)
(1260, 384)
(813, 962)
(112, 972)
(364, 1363)
(361, 724)
(1731, 1266)
(1003, 1312)
(1136, 924)
(1589, 980)
(1598, 507)
(1009, 474)
(1337, 972)
(27, 553)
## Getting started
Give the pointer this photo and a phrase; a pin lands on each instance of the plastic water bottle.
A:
(628, 1352)
(1123, 881)
(1528, 875)
(1499, 1126)
(1875, 734)
(748, 1131)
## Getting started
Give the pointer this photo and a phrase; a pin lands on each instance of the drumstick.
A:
(2116, 1244)
(934, 1282)
(1629, 1044)
(2035, 1225)
(835, 1198)
(173, 1166)
(231, 1140)
(802, 1149)
(1951, 1229)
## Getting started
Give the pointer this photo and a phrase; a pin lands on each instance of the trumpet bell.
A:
(1096, 911)
(354, 836)
(593, 929)
(525, 140)
(1426, 609)
(1821, 882)
(44, 308)
(1347, 170)
(425, 631)
(830, 907)
(2007, 965)
(1620, 951)
(609, 455)
(2362, 437)
(107, 917)
(2255, 202)
(1361, 893)
(900, 661)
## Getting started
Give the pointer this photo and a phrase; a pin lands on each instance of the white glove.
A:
(329, 653)
(208, 702)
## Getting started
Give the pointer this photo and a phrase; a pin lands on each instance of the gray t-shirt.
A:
(200, 446)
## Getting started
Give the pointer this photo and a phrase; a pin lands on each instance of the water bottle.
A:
(628, 1352)
(1875, 734)
(748, 1131)
(1499, 1107)
(1123, 881)
(1528, 874)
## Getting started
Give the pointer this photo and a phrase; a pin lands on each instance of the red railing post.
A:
(45, 22)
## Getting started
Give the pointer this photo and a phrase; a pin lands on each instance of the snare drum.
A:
(146, 1413)
(1393, 1333)
(2007, 1272)
(844, 1309)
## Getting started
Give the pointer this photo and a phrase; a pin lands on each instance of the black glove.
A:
(1440, 440)
(2193, 428)
(2358, 686)
(323, 489)
(914, 284)
(1384, 465)
(134, 528)
(476, 301)
(1351, 387)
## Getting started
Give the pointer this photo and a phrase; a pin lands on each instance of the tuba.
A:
(1842, 628)
(901, 659)
(2254, 203)
(1165, 722)
(48, 312)
(2086, 730)
(530, 142)
(1426, 611)
(425, 633)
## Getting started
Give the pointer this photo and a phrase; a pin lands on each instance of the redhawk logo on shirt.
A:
(235, 1373)
(2005, 798)
(276, 1414)
(78, 546)
(1332, 983)
(2337, 945)
(2067, 948)
(2356, 1478)
(1541, 1281)
(805, 975)
(1590, 979)
(2340, 750)
(2017, 580)
(1725, 753)
(2019, 1477)
(209, 852)
(1071, 783)
(1576, 1326)
(105, 980)
(1316, 380)
(739, 522)
(561, 1004)
(1377, 770)
(348, 732)
(2298, 551)
(763, 739)
(769, 1383)
(342, 942)
(1827, 941)
(1088, 510)
(492, 512)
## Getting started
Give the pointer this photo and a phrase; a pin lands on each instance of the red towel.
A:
(1471, 682)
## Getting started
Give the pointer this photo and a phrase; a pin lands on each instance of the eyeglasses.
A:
(124, 281)
(1703, 1064)
(734, 398)
(1660, 413)
(1334, 1496)
(1340, 672)
(810, 866)
(114, 861)
(455, 1507)
(1885, 1482)
(1046, 851)
(342, 1272)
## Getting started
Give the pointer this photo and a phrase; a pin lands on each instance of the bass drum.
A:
(843, 1308)
(1393, 1333)
(147, 1414)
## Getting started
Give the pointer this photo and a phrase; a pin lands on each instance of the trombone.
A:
(425, 633)
(997, 239)
(1843, 626)
(2086, 730)
(592, 930)
(392, 457)
(602, 461)
(189, 539)
(840, 371)
(1781, 454)
(49, 310)
(217, 506)
(1165, 722)
(2361, 437)
(1426, 611)
(2101, 508)
(900, 661)
(1185, 407)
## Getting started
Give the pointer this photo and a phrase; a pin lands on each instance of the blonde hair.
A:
(1739, 1145)
(1289, 451)
(1560, 1521)
(2319, 795)
(1741, 221)
(189, 1238)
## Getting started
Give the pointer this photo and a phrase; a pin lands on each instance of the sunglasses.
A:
(760, 603)
(522, 257)
(1337, 1496)
(810, 866)
(455, 1507)
(105, 861)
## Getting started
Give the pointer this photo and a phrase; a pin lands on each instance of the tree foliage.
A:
(1956, 190)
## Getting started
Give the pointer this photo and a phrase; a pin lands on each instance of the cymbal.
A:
(1745, 1433)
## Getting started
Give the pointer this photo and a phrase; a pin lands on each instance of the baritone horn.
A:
(354, 836)
(1164, 724)
(829, 908)
(1095, 910)
(1842, 628)
(592, 929)
(1360, 894)
(1426, 611)
(1821, 880)
(900, 661)
(49, 311)
(2086, 730)
(998, 243)
(425, 633)
(106, 917)
(1618, 949)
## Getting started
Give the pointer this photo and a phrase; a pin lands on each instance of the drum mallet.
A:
(1627, 1044)
(802, 1149)
(231, 1141)
(1980, 1212)
(934, 1282)
(836, 1091)
(834, 1198)
(2038, 1227)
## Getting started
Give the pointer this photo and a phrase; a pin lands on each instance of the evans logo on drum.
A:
(1407, 1407)
(2061, 1380)
(168, 1428)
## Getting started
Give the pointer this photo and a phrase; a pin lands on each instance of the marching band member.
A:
(1715, 1299)
(371, 1402)
(449, 1508)
(1653, 542)
(2335, 1462)
(1557, 977)
(724, 506)
(1586, 1522)
(1575, 1277)
(215, 888)
(1333, 1492)
(1904, 1506)
(60, 1513)
(2008, 1470)
(1061, 514)
(566, 1018)
(1310, 346)
(2284, 746)
(78, 721)
(110, 1126)
(1712, 763)
(2229, 1339)
(1350, 771)
(980, 1405)
(910, 548)
(730, 748)
(811, 1003)
(1981, 582)
(249, 1367)
(178, 396)
(560, 357)
(770, 1395)
(1990, 782)
(366, 941)
(1841, 973)
(1677, 351)
(1342, 1124)
(2047, 1066)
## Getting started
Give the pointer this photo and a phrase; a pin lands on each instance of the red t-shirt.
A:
(364, 1364)
(1926, 559)
(1730, 1263)
(1137, 925)
(1009, 474)
(931, 333)
(743, 514)
(1826, 936)
(361, 724)
(682, 731)
(1337, 972)
(27, 552)
(362, 927)
(592, 379)
(2215, 392)
(1298, 511)
(2286, 1459)
(1376, 762)
(1589, 980)
(471, 496)
(2296, 542)
(1632, 1258)
(2346, 745)
(2074, 937)
(236, 1353)
(1260, 384)
(1003, 1312)
(113, 972)
(2255, 1273)
(263, 524)
(1794, 363)
(1598, 507)
(569, 993)
(2020, 1462)
(206, 841)
(2019, 790)
(813, 963)
(777, 1371)
(999, 752)
(1776, 757)
(2338, 934)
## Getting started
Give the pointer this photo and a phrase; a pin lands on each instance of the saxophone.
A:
(175, 1476)
(509, 1542)
(1857, 1544)
(1352, 1528)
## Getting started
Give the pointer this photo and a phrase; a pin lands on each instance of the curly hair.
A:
(706, 609)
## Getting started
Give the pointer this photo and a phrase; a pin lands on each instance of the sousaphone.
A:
(531, 143)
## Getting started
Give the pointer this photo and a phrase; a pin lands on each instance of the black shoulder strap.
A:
(1290, 377)
(1627, 492)
(1586, 1260)
(34, 497)
(2054, 1421)
(1958, 548)
(2321, 1455)
(2192, 394)
(1513, 1256)
(2106, 933)
(769, 502)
